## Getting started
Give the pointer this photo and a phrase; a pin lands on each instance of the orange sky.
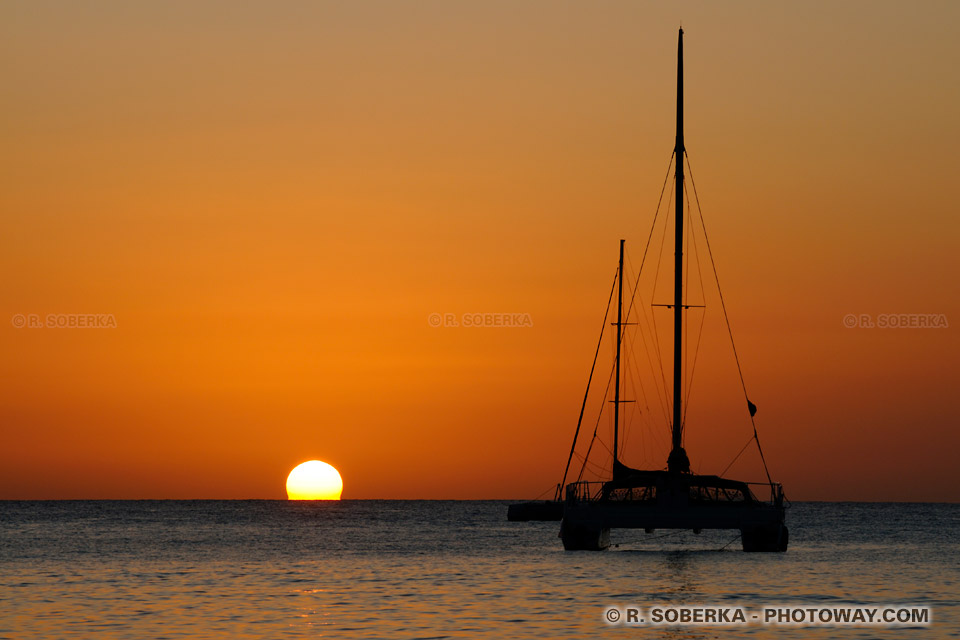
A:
(272, 200)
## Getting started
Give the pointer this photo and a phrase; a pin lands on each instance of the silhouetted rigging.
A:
(672, 498)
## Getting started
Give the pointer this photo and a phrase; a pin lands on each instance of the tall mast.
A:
(678, 461)
(616, 392)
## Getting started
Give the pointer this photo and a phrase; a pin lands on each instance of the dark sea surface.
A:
(435, 569)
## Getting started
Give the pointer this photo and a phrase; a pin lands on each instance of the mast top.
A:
(679, 148)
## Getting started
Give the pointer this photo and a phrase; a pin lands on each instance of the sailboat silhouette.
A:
(671, 498)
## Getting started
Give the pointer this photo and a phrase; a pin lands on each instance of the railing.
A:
(776, 492)
(592, 490)
(584, 490)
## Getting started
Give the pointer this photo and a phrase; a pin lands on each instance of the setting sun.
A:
(314, 480)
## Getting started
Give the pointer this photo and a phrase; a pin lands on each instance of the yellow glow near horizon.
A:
(314, 480)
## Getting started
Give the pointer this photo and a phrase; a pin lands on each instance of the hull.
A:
(544, 511)
(672, 501)
(772, 537)
(580, 536)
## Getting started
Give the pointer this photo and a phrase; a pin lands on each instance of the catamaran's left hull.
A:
(543, 511)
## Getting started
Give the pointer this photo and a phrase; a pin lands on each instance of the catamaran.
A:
(672, 497)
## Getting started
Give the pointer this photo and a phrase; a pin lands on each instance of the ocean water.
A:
(436, 569)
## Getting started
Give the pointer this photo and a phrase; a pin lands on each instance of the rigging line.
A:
(663, 242)
(645, 411)
(703, 297)
(590, 379)
(597, 472)
(634, 412)
(586, 460)
(597, 469)
(647, 350)
(603, 402)
(593, 438)
(602, 467)
(643, 392)
(665, 399)
(586, 457)
(703, 317)
(663, 188)
(633, 295)
(596, 427)
(653, 315)
(603, 473)
(672, 534)
(666, 178)
(603, 398)
(726, 318)
(737, 457)
(654, 226)
(596, 466)
(626, 412)
(604, 445)
(693, 366)
(703, 294)
(654, 334)
(544, 492)
(734, 539)
(593, 465)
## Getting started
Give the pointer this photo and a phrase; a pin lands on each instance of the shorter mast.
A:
(616, 392)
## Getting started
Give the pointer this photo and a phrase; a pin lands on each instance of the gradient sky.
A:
(272, 199)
